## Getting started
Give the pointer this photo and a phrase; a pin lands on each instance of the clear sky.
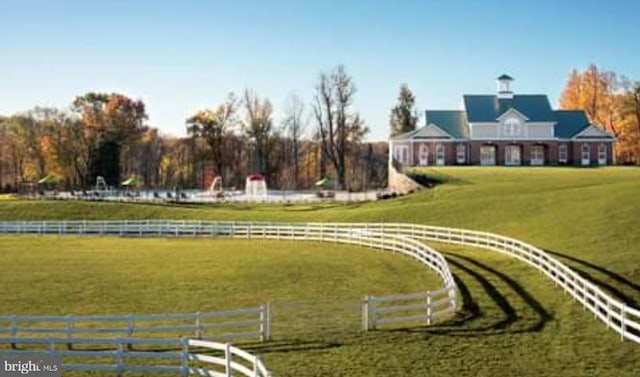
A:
(183, 55)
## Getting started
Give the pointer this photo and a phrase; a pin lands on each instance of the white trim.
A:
(538, 160)
(439, 129)
(562, 146)
(440, 156)
(509, 159)
(592, 131)
(512, 110)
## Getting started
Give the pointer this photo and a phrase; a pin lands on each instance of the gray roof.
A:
(570, 123)
(504, 76)
(488, 108)
(453, 122)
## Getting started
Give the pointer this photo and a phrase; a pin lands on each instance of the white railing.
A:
(424, 307)
(622, 318)
(617, 315)
(208, 358)
(247, 323)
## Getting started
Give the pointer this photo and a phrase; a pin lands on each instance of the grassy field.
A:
(513, 323)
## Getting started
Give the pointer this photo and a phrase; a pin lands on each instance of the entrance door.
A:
(512, 155)
(487, 155)
(537, 155)
(423, 155)
(586, 154)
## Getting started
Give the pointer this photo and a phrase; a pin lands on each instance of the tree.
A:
(404, 117)
(111, 123)
(339, 127)
(294, 127)
(213, 126)
(257, 127)
(608, 101)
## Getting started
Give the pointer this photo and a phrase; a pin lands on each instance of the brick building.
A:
(504, 129)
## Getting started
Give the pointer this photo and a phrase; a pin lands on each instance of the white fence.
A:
(402, 238)
(247, 323)
(189, 357)
(424, 307)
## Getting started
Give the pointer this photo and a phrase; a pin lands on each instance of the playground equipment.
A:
(256, 187)
(216, 189)
(101, 184)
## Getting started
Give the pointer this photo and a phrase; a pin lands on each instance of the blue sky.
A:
(180, 56)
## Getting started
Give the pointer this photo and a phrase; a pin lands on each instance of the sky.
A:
(184, 55)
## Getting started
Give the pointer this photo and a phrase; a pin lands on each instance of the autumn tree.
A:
(404, 117)
(213, 126)
(111, 123)
(340, 128)
(608, 101)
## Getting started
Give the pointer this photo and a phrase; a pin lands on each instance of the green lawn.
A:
(514, 321)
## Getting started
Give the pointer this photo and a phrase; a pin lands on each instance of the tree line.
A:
(108, 135)
(611, 101)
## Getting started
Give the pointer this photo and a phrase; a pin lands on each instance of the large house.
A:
(504, 129)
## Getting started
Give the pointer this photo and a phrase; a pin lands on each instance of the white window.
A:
(487, 155)
(586, 154)
(511, 127)
(461, 154)
(512, 155)
(563, 154)
(602, 154)
(440, 154)
(423, 155)
(401, 153)
(537, 155)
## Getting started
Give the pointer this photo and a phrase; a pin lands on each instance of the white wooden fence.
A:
(402, 238)
(247, 323)
(424, 308)
(367, 235)
(190, 357)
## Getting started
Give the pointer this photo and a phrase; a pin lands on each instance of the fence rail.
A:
(401, 238)
(189, 357)
(247, 323)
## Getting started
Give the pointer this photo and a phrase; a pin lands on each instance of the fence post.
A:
(68, 330)
(185, 356)
(227, 359)
(268, 321)
(119, 357)
(130, 329)
(365, 314)
(199, 325)
(429, 308)
(369, 313)
(256, 371)
(14, 330)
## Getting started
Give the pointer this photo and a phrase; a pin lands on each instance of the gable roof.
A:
(453, 122)
(487, 108)
(570, 123)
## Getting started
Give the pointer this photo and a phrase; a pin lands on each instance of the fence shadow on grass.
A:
(580, 266)
(472, 311)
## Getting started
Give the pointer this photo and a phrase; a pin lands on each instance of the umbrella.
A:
(131, 181)
(323, 182)
(47, 180)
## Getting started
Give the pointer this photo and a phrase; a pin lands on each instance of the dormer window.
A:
(512, 127)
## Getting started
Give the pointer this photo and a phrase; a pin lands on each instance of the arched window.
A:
(439, 154)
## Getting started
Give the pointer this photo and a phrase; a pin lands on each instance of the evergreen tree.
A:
(403, 116)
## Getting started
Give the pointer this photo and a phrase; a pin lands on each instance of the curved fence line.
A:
(403, 238)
